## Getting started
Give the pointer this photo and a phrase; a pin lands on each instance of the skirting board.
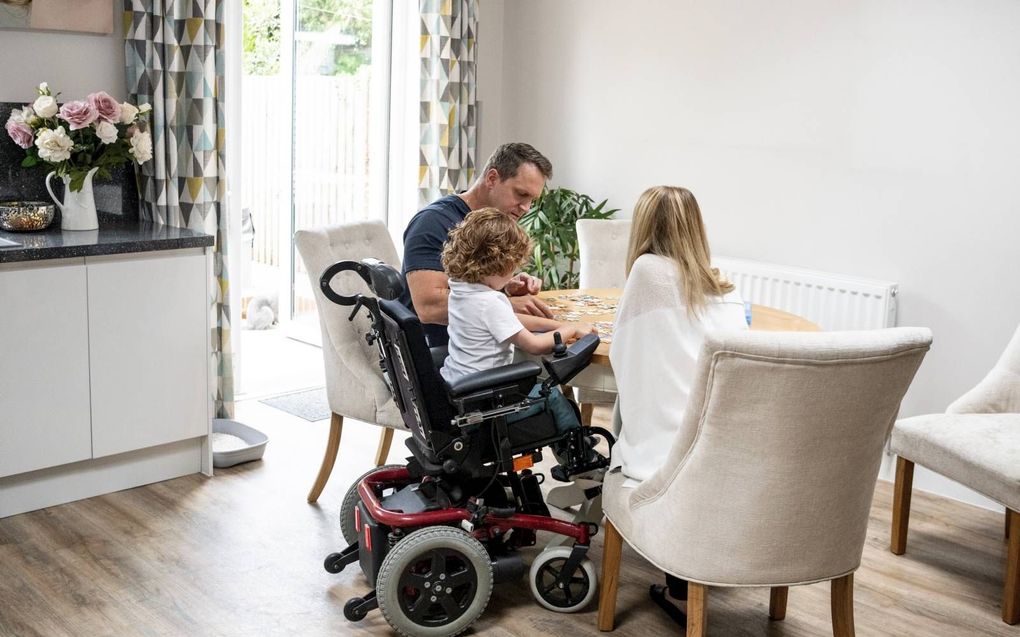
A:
(48, 487)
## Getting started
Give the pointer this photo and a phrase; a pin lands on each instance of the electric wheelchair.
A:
(432, 536)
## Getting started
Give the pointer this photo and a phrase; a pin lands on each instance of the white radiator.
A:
(832, 301)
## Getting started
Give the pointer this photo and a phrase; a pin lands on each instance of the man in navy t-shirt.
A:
(513, 177)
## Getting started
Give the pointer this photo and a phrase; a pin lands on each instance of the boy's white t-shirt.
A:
(480, 323)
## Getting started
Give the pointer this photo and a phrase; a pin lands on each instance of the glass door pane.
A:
(332, 88)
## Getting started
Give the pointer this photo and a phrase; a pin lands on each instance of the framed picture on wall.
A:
(88, 16)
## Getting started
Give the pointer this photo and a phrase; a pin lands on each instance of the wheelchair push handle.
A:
(332, 271)
(384, 280)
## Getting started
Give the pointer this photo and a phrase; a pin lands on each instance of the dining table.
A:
(598, 307)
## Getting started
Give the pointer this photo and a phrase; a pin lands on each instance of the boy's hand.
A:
(573, 331)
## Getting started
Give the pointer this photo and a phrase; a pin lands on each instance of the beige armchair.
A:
(770, 479)
(602, 247)
(354, 384)
(976, 443)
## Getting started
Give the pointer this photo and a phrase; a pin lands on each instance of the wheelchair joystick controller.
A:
(559, 349)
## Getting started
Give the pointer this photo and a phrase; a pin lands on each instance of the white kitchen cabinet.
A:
(44, 365)
(104, 374)
(148, 355)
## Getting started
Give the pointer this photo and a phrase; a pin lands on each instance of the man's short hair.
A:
(507, 159)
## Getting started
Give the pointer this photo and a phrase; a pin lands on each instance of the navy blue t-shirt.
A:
(423, 247)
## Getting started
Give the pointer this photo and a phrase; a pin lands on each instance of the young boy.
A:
(480, 257)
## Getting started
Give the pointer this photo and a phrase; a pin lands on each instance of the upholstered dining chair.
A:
(354, 383)
(976, 443)
(602, 246)
(770, 478)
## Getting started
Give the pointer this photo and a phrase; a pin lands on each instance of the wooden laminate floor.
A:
(241, 554)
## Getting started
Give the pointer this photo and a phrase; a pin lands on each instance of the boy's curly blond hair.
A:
(488, 242)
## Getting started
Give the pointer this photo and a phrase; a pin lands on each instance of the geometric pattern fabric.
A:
(448, 109)
(174, 60)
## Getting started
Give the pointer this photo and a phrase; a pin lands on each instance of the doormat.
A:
(310, 404)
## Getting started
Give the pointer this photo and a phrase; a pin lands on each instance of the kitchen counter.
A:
(114, 236)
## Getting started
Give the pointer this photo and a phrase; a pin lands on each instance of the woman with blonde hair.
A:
(672, 298)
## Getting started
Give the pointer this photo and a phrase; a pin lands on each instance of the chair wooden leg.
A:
(385, 438)
(1011, 594)
(777, 602)
(843, 606)
(587, 409)
(336, 425)
(1009, 523)
(611, 551)
(697, 609)
(901, 505)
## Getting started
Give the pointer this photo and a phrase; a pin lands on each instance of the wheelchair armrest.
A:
(576, 358)
(438, 355)
(522, 374)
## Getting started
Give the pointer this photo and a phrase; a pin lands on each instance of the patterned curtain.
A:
(448, 102)
(174, 51)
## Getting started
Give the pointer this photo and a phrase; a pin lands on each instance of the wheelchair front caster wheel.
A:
(548, 591)
(435, 582)
(333, 563)
(354, 609)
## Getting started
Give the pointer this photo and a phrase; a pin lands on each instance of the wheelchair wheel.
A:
(545, 570)
(434, 583)
(350, 501)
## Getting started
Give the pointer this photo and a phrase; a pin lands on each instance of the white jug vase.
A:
(78, 210)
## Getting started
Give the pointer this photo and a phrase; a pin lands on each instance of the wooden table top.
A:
(598, 307)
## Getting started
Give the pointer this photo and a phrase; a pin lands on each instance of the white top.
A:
(654, 354)
(481, 322)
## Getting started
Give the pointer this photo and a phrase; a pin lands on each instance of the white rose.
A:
(141, 147)
(128, 113)
(54, 145)
(144, 108)
(106, 132)
(43, 87)
(45, 106)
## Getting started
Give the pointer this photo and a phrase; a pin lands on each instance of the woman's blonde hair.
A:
(487, 243)
(667, 222)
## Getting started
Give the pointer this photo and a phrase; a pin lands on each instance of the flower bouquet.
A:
(78, 140)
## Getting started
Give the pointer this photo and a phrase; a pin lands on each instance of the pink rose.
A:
(107, 107)
(78, 114)
(20, 132)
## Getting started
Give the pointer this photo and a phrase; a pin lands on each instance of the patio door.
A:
(315, 135)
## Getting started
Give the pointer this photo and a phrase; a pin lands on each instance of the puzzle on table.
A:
(577, 306)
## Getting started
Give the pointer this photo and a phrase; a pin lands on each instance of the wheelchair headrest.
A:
(383, 279)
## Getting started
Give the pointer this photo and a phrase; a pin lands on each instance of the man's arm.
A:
(430, 293)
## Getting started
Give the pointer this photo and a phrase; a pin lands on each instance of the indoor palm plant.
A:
(551, 223)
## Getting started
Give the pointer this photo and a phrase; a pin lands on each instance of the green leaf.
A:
(77, 180)
(29, 161)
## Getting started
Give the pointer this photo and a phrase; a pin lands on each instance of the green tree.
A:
(348, 21)
(261, 37)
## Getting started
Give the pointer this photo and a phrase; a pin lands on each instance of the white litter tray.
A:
(255, 439)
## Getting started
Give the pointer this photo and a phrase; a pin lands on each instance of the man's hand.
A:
(528, 304)
(523, 284)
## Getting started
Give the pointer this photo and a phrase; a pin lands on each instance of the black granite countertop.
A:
(114, 236)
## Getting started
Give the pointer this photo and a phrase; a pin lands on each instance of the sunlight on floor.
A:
(271, 363)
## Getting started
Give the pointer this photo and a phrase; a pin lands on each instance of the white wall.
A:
(875, 138)
(75, 64)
